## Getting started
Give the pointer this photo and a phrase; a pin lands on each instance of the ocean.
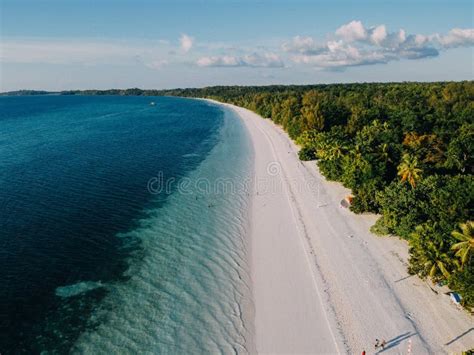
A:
(123, 226)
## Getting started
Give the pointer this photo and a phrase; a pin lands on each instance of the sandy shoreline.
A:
(322, 283)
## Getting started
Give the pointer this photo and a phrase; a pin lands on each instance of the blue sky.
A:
(67, 44)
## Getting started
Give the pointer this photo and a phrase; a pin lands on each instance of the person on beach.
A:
(383, 343)
(377, 343)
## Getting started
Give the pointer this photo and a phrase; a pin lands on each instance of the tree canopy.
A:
(405, 149)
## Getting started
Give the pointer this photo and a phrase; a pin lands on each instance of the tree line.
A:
(404, 149)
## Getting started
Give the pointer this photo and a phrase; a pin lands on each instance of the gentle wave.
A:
(189, 287)
(73, 175)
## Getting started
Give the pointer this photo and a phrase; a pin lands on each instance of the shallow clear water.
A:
(92, 259)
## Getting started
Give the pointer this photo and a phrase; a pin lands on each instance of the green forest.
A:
(404, 149)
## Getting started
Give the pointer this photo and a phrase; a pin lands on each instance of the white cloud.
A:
(186, 42)
(268, 60)
(255, 60)
(379, 34)
(353, 31)
(340, 54)
(219, 61)
(353, 44)
(457, 37)
(392, 40)
(303, 45)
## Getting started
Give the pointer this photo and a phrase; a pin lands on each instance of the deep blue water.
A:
(73, 175)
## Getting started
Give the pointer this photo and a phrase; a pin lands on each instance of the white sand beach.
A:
(322, 283)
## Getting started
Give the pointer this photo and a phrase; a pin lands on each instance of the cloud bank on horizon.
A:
(352, 44)
(178, 58)
(256, 60)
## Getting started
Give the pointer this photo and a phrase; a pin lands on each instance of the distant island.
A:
(27, 93)
(406, 150)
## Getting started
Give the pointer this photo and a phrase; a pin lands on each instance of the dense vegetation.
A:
(26, 93)
(406, 151)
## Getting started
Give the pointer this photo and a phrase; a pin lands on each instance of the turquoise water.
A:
(133, 229)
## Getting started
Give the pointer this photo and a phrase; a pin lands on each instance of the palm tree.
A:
(330, 150)
(429, 257)
(323, 150)
(435, 261)
(337, 151)
(383, 153)
(465, 247)
(409, 169)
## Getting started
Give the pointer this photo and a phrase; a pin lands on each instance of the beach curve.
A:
(322, 283)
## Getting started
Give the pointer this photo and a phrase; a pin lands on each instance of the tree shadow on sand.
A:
(459, 336)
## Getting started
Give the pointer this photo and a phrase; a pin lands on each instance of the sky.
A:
(100, 44)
